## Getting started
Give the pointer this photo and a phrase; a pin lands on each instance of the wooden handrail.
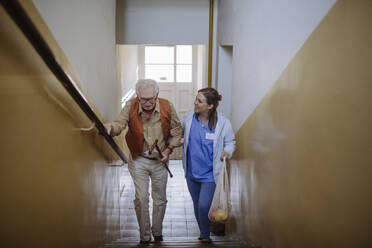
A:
(24, 22)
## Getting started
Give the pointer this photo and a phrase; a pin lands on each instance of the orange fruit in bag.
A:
(221, 215)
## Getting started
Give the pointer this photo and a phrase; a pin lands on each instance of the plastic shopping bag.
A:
(219, 211)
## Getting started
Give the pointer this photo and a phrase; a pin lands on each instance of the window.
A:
(168, 64)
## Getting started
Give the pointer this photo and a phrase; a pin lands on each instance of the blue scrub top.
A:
(200, 152)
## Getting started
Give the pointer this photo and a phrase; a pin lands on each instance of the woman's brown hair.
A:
(212, 97)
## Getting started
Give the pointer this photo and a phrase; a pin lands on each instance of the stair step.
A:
(180, 243)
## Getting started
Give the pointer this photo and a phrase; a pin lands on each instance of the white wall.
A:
(225, 78)
(265, 35)
(201, 81)
(128, 66)
(85, 30)
(163, 22)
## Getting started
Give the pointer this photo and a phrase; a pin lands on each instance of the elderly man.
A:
(149, 118)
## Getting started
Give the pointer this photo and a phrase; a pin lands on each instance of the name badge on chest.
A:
(209, 136)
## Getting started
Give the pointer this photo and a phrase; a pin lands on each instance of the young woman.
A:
(208, 137)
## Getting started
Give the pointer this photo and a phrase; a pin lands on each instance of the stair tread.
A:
(177, 243)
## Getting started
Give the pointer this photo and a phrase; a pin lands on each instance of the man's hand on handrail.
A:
(108, 128)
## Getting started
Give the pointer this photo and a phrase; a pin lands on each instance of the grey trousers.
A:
(141, 170)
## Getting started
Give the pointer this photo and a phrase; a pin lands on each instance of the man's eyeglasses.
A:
(144, 100)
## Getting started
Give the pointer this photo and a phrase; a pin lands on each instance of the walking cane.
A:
(161, 156)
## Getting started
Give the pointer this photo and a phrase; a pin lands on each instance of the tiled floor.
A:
(179, 220)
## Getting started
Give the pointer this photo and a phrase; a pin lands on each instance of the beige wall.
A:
(56, 187)
(301, 173)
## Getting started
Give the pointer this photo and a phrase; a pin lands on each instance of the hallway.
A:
(179, 226)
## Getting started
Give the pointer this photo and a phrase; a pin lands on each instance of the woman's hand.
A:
(224, 155)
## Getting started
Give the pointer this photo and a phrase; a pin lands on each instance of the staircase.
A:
(180, 228)
(182, 242)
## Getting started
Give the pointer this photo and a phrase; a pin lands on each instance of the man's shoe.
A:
(158, 238)
(200, 237)
(143, 243)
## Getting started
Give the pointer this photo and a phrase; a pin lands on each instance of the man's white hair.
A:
(147, 83)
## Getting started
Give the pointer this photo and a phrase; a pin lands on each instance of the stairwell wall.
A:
(56, 185)
(300, 175)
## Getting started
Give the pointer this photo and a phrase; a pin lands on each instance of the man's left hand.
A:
(165, 154)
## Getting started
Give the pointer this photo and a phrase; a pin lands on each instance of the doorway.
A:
(179, 70)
